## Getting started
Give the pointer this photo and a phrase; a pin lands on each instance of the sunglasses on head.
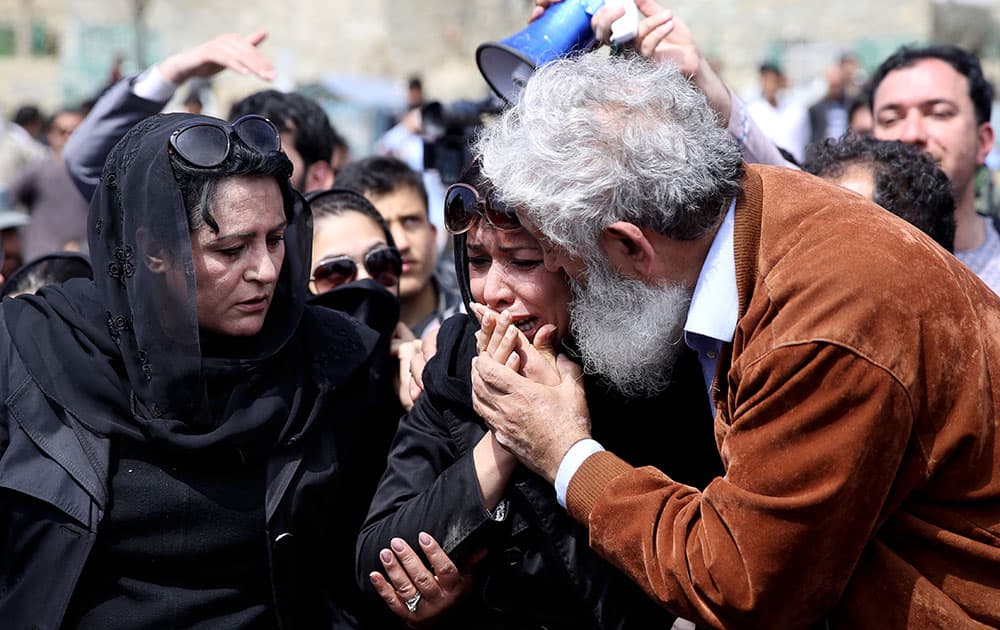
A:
(383, 264)
(463, 205)
(207, 143)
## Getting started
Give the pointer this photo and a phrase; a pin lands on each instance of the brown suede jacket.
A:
(857, 420)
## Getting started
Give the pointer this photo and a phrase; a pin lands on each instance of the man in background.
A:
(58, 210)
(425, 297)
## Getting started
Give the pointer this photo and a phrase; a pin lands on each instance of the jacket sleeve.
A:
(815, 437)
(428, 486)
(755, 146)
(117, 111)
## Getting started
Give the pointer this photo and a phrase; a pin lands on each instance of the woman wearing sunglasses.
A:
(351, 242)
(509, 555)
(184, 441)
(356, 270)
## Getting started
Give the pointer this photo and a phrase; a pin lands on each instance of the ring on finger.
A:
(411, 604)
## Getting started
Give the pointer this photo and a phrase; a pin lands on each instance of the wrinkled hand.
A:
(440, 586)
(498, 338)
(232, 50)
(538, 423)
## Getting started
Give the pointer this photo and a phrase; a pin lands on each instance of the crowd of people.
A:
(673, 369)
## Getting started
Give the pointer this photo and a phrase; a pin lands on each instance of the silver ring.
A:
(411, 604)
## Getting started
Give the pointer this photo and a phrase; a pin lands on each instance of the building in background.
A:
(55, 52)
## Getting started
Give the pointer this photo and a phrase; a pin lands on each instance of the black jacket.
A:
(539, 571)
(54, 488)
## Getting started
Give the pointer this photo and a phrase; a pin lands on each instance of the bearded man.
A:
(855, 409)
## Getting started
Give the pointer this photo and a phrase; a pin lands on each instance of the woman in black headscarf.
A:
(184, 443)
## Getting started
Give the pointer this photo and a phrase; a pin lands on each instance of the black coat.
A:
(54, 488)
(539, 571)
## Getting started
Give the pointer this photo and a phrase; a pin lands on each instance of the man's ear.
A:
(319, 176)
(986, 139)
(628, 249)
(154, 256)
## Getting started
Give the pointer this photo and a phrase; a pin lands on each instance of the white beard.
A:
(628, 332)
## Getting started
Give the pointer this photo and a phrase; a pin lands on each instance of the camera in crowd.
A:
(448, 130)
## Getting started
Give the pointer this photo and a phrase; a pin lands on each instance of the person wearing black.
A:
(447, 477)
(185, 442)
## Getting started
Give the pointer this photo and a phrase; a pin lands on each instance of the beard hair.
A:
(627, 332)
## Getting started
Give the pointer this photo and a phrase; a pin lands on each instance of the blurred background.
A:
(356, 57)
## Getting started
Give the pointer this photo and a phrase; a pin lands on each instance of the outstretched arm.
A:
(135, 98)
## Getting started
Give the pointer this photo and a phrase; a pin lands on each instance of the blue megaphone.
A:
(564, 28)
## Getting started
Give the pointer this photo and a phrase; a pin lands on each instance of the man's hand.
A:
(662, 37)
(233, 51)
(537, 423)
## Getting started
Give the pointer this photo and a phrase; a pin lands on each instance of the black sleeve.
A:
(430, 482)
(113, 115)
(427, 487)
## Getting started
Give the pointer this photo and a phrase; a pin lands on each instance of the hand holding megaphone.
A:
(660, 36)
(562, 27)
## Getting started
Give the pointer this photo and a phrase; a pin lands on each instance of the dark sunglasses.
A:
(383, 264)
(463, 205)
(207, 143)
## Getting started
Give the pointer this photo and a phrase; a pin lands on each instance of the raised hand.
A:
(231, 51)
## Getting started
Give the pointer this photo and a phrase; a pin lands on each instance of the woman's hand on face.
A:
(437, 588)
(499, 339)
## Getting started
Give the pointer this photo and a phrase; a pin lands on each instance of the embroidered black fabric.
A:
(123, 353)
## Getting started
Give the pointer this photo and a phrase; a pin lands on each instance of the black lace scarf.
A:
(123, 353)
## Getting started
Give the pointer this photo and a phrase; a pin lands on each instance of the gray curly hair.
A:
(596, 139)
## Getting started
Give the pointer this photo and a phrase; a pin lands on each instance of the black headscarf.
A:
(123, 354)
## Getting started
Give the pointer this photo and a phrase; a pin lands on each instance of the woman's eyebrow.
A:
(225, 237)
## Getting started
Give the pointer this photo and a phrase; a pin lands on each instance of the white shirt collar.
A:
(715, 304)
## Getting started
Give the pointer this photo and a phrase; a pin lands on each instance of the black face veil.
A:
(124, 353)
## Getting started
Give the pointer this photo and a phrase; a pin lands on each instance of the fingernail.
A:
(396, 544)
(385, 556)
(425, 538)
(371, 577)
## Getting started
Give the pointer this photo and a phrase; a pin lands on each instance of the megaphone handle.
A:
(625, 28)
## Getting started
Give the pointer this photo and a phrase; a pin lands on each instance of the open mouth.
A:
(527, 326)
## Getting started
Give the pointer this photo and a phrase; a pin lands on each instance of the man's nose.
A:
(399, 235)
(914, 131)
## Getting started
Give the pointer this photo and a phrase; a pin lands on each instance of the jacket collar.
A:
(746, 231)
